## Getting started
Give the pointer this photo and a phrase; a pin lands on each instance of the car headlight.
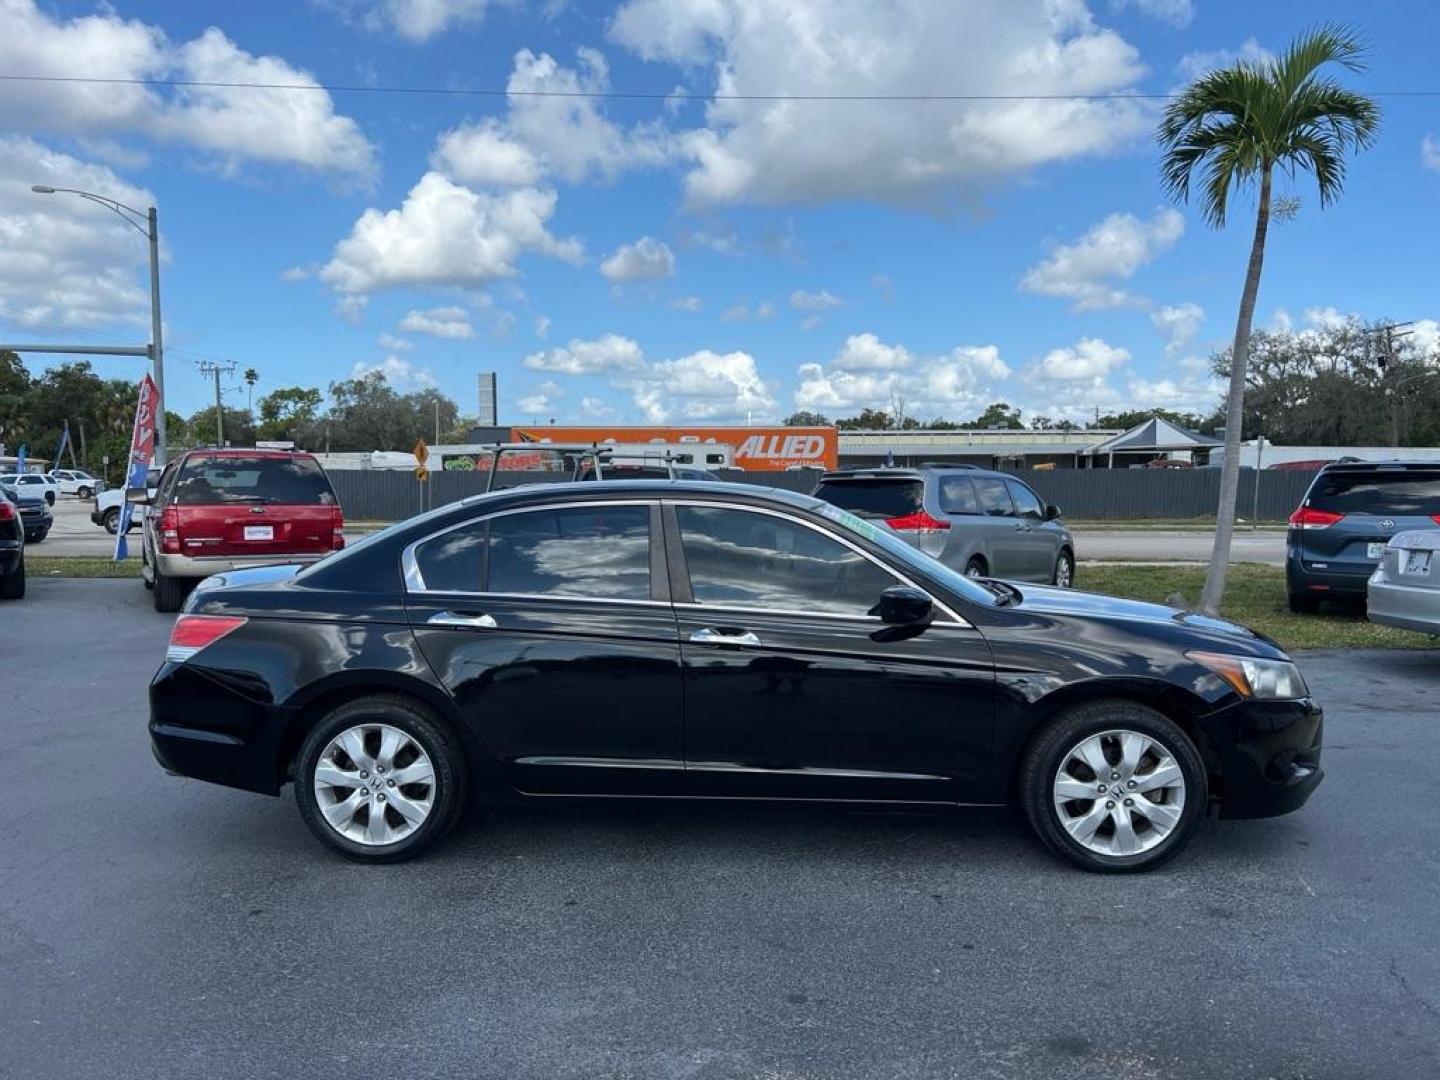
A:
(1252, 677)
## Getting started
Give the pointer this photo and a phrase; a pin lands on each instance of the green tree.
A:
(14, 395)
(866, 420)
(251, 378)
(290, 413)
(1235, 126)
(804, 418)
(999, 415)
(239, 430)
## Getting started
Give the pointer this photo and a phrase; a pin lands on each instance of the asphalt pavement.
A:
(75, 534)
(152, 926)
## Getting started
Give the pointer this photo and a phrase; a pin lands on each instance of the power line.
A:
(627, 95)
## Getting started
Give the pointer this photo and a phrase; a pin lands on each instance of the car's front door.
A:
(793, 690)
(552, 629)
(1036, 545)
(1002, 530)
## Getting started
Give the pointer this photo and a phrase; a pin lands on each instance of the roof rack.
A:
(592, 454)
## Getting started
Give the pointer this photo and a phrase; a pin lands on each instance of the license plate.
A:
(1417, 562)
(1374, 551)
(259, 532)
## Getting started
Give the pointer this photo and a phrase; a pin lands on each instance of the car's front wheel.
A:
(1064, 570)
(50, 498)
(379, 780)
(111, 520)
(1114, 786)
(84, 492)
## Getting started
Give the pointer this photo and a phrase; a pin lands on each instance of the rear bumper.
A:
(1405, 606)
(11, 552)
(202, 727)
(202, 566)
(1269, 756)
(1330, 581)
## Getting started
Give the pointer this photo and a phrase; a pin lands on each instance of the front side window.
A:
(738, 558)
(1027, 503)
(994, 499)
(597, 552)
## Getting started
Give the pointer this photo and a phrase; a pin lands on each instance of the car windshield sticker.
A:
(850, 521)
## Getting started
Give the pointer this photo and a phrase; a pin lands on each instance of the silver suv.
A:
(986, 524)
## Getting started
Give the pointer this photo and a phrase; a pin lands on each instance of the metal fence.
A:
(1095, 494)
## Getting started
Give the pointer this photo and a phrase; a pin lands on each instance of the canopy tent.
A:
(1153, 436)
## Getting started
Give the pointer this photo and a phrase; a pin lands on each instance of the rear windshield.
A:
(1393, 494)
(874, 498)
(292, 481)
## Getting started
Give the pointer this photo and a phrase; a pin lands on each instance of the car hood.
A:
(1048, 600)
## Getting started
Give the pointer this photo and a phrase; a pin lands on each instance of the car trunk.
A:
(260, 506)
(1348, 518)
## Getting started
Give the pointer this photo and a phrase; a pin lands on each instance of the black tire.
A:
(1048, 751)
(450, 784)
(12, 586)
(1064, 562)
(976, 567)
(1303, 603)
(38, 538)
(84, 493)
(169, 592)
(111, 520)
(50, 498)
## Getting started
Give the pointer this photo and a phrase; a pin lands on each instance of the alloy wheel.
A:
(1063, 573)
(374, 784)
(1119, 793)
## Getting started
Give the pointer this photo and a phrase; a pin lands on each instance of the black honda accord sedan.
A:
(709, 640)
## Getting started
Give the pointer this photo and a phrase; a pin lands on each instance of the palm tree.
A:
(1236, 126)
(251, 378)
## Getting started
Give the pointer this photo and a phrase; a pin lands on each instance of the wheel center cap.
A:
(377, 783)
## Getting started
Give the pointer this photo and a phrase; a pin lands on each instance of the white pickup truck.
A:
(32, 486)
(108, 503)
(75, 482)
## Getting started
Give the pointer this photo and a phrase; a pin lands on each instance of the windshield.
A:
(1412, 493)
(875, 498)
(909, 556)
(293, 481)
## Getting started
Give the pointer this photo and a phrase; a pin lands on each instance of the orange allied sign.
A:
(756, 449)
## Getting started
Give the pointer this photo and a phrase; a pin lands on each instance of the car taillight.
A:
(919, 522)
(337, 522)
(1435, 518)
(170, 531)
(1308, 518)
(7, 509)
(191, 633)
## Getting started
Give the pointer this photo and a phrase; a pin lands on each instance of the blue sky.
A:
(692, 258)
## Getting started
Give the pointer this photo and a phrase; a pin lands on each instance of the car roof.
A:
(246, 451)
(919, 473)
(1380, 466)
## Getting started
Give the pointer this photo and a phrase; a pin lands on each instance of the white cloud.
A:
(866, 352)
(297, 273)
(1430, 152)
(725, 242)
(400, 373)
(486, 155)
(686, 303)
(542, 326)
(1089, 270)
(1425, 336)
(882, 284)
(1178, 324)
(596, 408)
(67, 262)
(704, 385)
(420, 20)
(1091, 358)
(605, 354)
(810, 322)
(446, 234)
(1194, 64)
(954, 381)
(1178, 13)
(742, 312)
(233, 123)
(1326, 318)
(645, 260)
(543, 400)
(441, 322)
(395, 344)
(765, 310)
(823, 300)
(805, 151)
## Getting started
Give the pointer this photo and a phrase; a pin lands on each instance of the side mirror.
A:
(901, 605)
(1052, 512)
(138, 495)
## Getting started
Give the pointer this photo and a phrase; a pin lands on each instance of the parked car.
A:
(222, 509)
(1404, 591)
(33, 485)
(106, 511)
(76, 482)
(982, 523)
(12, 546)
(714, 640)
(35, 516)
(1350, 511)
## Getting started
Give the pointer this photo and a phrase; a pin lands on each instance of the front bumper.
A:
(202, 566)
(1268, 755)
(97, 518)
(1405, 606)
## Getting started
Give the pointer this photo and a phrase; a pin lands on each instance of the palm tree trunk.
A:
(1235, 410)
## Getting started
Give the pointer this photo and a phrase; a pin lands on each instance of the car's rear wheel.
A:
(1064, 570)
(1114, 786)
(111, 520)
(976, 568)
(12, 586)
(84, 492)
(379, 780)
(169, 592)
(1304, 603)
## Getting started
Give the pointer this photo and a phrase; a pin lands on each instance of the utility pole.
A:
(211, 367)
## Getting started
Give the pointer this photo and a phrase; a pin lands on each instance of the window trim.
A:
(692, 604)
(414, 580)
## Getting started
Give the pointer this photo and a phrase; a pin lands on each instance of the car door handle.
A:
(710, 636)
(463, 620)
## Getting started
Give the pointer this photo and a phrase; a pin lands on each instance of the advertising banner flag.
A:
(142, 452)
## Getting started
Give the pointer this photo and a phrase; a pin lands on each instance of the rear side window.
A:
(599, 551)
(874, 498)
(1390, 494)
(289, 481)
(994, 499)
(957, 495)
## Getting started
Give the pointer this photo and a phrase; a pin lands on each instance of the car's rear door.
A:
(264, 505)
(793, 690)
(1001, 528)
(551, 627)
(1350, 514)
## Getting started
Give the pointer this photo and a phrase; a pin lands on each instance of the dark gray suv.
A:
(983, 523)
(1353, 508)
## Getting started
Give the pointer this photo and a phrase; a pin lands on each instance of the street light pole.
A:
(151, 231)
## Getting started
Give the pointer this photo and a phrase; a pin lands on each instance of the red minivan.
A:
(223, 509)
